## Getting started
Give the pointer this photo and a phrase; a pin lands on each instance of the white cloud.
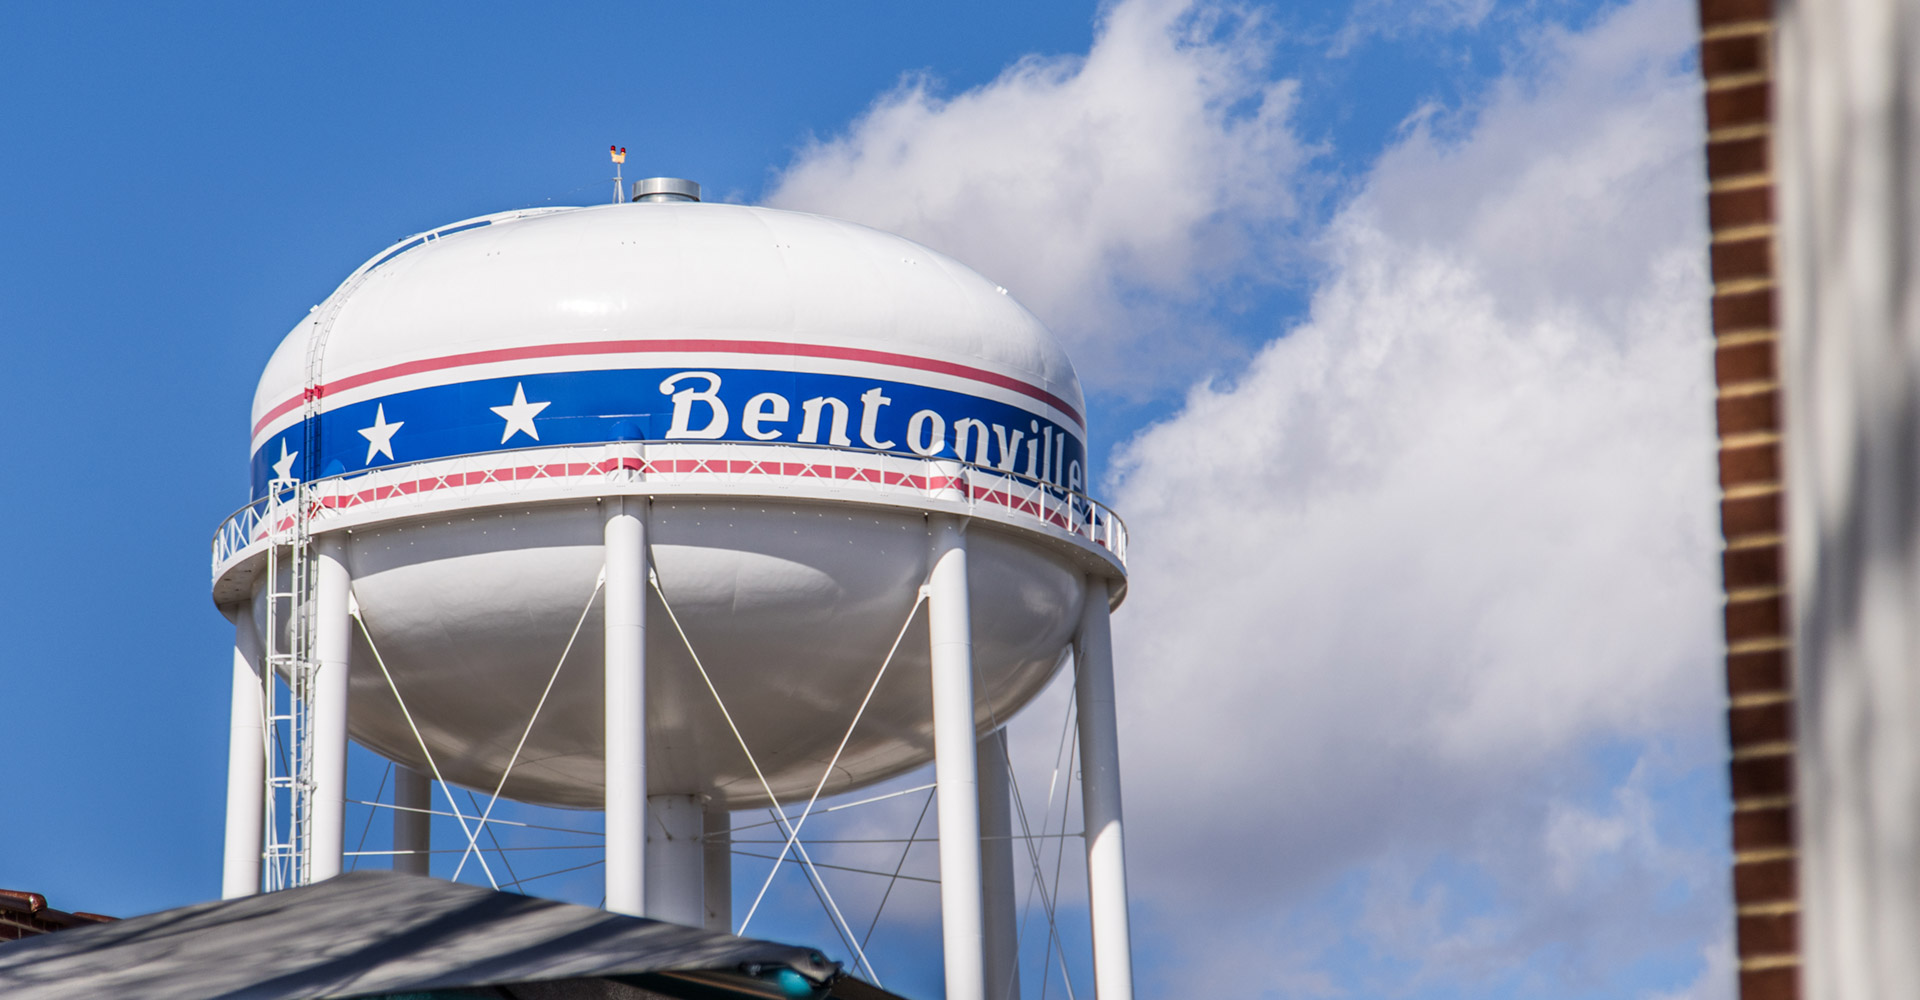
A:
(1105, 191)
(1439, 559)
(1399, 18)
(1554, 896)
(1447, 541)
(1719, 975)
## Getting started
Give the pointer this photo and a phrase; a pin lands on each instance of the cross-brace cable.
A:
(504, 860)
(1065, 750)
(445, 788)
(904, 852)
(794, 831)
(368, 828)
(836, 807)
(535, 717)
(841, 922)
(1033, 849)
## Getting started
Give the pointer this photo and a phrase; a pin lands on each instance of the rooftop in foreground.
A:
(383, 934)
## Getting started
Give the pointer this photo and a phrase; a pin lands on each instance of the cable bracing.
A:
(598, 584)
(794, 834)
(446, 789)
(820, 885)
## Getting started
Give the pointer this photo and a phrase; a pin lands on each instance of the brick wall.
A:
(1736, 60)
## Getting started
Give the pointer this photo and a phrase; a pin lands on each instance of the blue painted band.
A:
(673, 404)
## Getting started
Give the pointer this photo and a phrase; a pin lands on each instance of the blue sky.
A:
(1391, 318)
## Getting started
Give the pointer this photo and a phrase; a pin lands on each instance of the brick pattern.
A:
(1736, 60)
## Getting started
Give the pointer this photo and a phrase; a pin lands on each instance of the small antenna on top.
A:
(619, 154)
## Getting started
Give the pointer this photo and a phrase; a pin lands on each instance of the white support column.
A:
(950, 627)
(676, 883)
(717, 867)
(332, 644)
(412, 821)
(1100, 798)
(246, 762)
(626, 704)
(997, 870)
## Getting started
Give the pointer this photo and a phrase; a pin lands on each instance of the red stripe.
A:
(677, 346)
(1001, 496)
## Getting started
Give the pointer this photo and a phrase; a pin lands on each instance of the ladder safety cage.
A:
(287, 681)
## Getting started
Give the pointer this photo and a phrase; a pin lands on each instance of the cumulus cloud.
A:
(1106, 190)
(1422, 632)
(1448, 544)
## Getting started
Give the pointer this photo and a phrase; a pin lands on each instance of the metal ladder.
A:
(287, 683)
(287, 695)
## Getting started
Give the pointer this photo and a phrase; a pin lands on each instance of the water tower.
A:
(668, 508)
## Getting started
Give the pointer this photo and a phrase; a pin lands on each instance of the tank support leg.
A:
(675, 883)
(332, 643)
(996, 869)
(951, 633)
(626, 704)
(412, 822)
(1100, 798)
(717, 867)
(246, 763)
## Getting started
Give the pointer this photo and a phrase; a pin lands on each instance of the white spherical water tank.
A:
(790, 395)
(670, 508)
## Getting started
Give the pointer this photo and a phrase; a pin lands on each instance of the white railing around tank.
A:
(684, 467)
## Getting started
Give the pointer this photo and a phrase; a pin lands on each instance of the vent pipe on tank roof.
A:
(665, 189)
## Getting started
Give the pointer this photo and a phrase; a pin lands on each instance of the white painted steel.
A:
(672, 271)
(676, 878)
(332, 641)
(1065, 519)
(625, 703)
(1100, 798)
(468, 559)
(412, 820)
(717, 868)
(998, 906)
(246, 763)
(950, 621)
(821, 590)
(789, 567)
